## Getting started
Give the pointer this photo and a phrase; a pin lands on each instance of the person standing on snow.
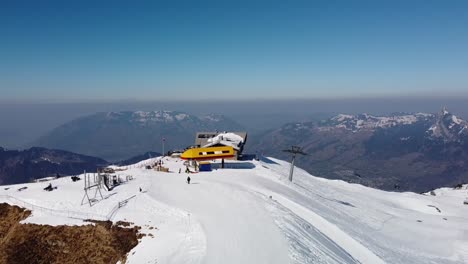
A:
(188, 179)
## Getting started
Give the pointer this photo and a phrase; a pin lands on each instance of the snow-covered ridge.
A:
(163, 116)
(444, 125)
(213, 118)
(370, 122)
(159, 116)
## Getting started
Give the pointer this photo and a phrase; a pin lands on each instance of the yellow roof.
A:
(208, 153)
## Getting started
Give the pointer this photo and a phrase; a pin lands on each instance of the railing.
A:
(68, 213)
(62, 213)
(117, 207)
(141, 164)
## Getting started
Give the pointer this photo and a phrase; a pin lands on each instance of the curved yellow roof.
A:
(208, 153)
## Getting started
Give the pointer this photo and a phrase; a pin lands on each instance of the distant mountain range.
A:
(118, 135)
(416, 152)
(401, 151)
(27, 165)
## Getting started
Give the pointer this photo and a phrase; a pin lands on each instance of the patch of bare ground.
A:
(99, 242)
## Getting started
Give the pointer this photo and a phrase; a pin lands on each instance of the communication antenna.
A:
(294, 151)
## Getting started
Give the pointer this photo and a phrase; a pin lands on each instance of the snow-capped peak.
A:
(342, 117)
(448, 127)
(167, 116)
(213, 118)
(445, 111)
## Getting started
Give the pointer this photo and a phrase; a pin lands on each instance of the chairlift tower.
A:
(92, 182)
(294, 151)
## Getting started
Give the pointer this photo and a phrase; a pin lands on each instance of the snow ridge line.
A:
(63, 213)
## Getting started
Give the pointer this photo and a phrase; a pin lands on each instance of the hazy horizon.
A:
(24, 122)
(261, 63)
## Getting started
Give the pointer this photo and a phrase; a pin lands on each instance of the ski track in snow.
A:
(228, 216)
(333, 234)
(252, 214)
(312, 246)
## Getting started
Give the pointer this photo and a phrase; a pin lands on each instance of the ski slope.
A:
(250, 213)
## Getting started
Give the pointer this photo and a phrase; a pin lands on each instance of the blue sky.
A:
(175, 50)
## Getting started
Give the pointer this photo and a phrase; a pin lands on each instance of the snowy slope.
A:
(250, 213)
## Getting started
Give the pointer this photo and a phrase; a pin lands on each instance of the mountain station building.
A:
(235, 140)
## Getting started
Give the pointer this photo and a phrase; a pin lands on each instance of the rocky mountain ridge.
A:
(414, 152)
(19, 166)
(448, 127)
(369, 122)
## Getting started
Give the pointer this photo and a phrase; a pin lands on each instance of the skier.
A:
(179, 170)
(49, 187)
(140, 189)
(188, 179)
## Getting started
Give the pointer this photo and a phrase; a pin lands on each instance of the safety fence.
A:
(119, 205)
(141, 164)
(56, 212)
